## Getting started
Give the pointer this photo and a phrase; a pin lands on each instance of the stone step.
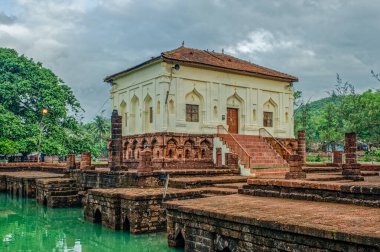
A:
(197, 172)
(321, 169)
(369, 173)
(192, 182)
(230, 185)
(218, 190)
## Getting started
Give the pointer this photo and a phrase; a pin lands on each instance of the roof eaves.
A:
(110, 78)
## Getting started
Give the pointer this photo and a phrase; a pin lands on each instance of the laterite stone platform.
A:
(360, 193)
(247, 223)
(58, 192)
(136, 210)
(23, 183)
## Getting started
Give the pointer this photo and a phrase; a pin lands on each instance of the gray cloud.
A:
(5, 19)
(85, 40)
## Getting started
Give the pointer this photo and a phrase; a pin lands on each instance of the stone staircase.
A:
(58, 192)
(253, 151)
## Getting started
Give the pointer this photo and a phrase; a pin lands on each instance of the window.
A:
(268, 119)
(192, 113)
(151, 114)
(126, 119)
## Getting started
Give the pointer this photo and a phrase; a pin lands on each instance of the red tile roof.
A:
(211, 59)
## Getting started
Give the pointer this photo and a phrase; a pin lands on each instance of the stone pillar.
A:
(295, 167)
(85, 163)
(70, 160)
(232, 161)
(116, 145)
(338, 158)
(218, 157)
(351, 169)
(145, 167)
(302, 145)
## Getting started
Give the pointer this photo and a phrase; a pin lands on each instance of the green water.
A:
(27, 226)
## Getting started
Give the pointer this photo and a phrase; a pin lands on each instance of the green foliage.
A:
(26, 88)
(327, 119)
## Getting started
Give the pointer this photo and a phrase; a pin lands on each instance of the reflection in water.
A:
(27, 226)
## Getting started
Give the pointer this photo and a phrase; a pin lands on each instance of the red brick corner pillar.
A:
(145, 167)
(218, 157)
(338, 158)
(295, 167)
(70, 160)
(85, 163)
(116, 150)
(351, 169)
(302, 145)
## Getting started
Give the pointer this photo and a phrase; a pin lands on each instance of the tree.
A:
(26, 87)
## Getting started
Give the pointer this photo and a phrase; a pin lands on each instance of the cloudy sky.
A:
(82, 41)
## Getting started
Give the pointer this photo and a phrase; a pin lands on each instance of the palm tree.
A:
(101, 127)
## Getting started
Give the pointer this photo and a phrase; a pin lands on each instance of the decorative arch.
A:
(125, 149)
(135, 104)
(179, 240)
(148, 113)
(235, 101)
(194, 99)
(171, 151)
(144, 144)
(206, 149)
(270, 114)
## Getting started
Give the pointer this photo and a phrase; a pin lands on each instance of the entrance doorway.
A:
(233, 120)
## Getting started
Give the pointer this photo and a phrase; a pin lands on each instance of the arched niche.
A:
(134, 115)
(148, 114)
(171, 107)
(124, 116)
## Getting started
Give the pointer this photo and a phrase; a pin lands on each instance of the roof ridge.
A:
(212, 54)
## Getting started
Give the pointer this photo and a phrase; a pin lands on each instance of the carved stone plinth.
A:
(145, 167)
(295, 167)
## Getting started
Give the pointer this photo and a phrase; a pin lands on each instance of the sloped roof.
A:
(212, 59)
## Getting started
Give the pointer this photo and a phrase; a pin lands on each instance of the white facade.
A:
(138, 93)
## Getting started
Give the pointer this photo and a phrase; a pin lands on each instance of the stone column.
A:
(145, 167)
(295, 167)
(302, 145)
(338, 158)
(70, 160)
(85, 163)
(232, 161)
(218, 157)
(351, 169)
(116, 145)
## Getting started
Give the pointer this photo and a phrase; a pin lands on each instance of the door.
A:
(233, 120)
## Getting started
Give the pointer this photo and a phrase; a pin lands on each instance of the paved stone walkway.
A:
(31, 174)
(355, 223)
